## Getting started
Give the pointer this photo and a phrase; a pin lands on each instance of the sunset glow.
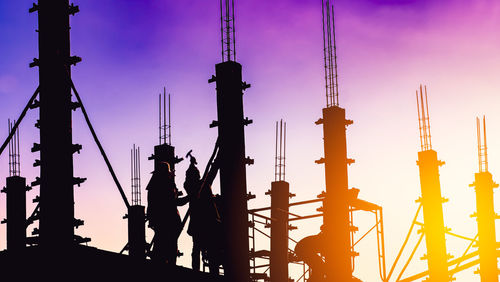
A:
(386, 49)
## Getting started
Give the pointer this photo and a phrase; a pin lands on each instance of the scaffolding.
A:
(259, 219)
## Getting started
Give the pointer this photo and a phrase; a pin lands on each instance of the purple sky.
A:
(131, 49)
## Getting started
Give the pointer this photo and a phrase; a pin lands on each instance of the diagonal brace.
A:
(98, 143)
(12, 132)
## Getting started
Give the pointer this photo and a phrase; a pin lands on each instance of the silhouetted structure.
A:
(163, 216)
(432, 202)
(136, 213)
(205, 218)
(231, 155)
(164, 151)
(484, 185)
(310, 249)
(433, 229)
(16, 199)
(57, 222)
(162, 212)
(56, 253)
(211, 206)
(280, 195)
(338, 254)
(198, 225)
(91, 264)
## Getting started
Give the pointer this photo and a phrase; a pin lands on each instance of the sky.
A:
(386, 49)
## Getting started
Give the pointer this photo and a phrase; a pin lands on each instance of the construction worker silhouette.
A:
(192, 185)
(203, 223)
(163, 215)
(308, 250)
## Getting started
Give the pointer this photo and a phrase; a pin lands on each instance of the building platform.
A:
(82, 263)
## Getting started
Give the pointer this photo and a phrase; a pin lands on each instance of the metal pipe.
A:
(411, 256)
(16, 125)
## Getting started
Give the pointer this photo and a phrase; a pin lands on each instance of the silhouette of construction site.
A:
(53, 250)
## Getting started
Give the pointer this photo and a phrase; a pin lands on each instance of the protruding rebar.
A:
(14, 155)
(330, 54)
(159, 119)
(336, 85)
(135, 171)
(485, 145)
(228, 30)
(163, 125)
(10, 148)
(275, 155)
(482, 149)
(169, 123)
(164, 117)
(280, 151)
(424, 125)
(284, 152)
(485, 205)
(428, 119)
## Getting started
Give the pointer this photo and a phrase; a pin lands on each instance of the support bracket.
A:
(245, 85)
(73, 9)
(75, 105)
(78, 222)
(250, 196)
(36, 182)
(75, 148)
(73, 60)
(35, 148)
(249, 161)
(35, 63)
(247, 121)
(78, 180)
(35, 104)
(214, 124)
(34, 8)
(320, 161)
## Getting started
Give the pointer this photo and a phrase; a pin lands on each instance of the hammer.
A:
(193, 159)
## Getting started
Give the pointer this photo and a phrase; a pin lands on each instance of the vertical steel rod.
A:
(169, 123)
(336, 85)
(234, 33)
(276, 155)
(428, 118)
(281, 142)
(159, 119)
(164, 117)
(284, 154)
